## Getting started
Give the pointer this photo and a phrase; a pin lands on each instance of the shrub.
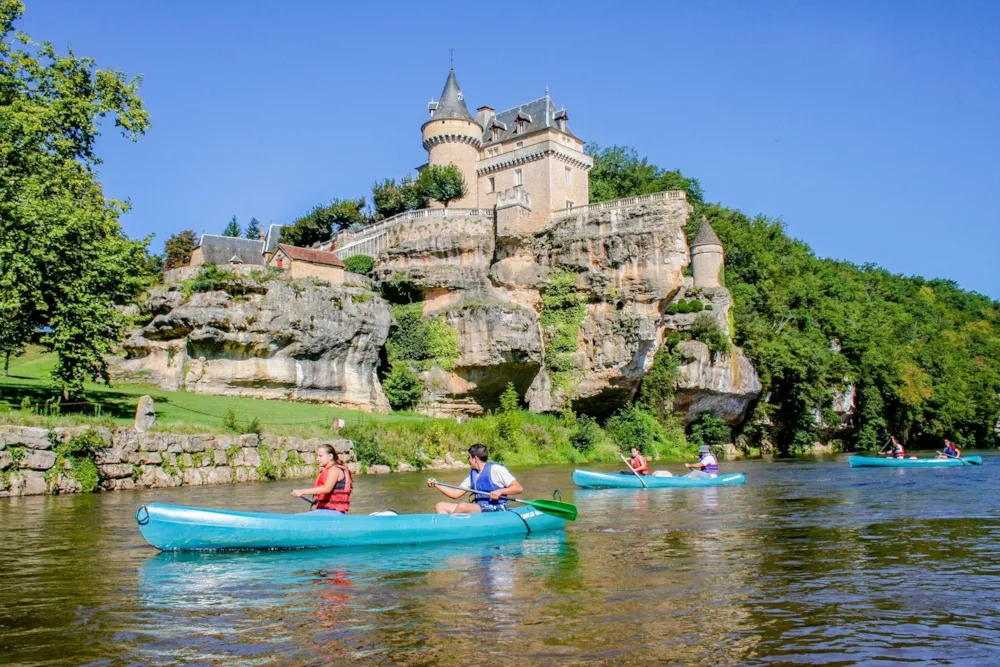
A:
(430, 342)
(563, 310)
(709, 430)
(706, 329)
(585, 435)
(362, 264)
(402, 387)
(633, 426)
(78, 451)
(210, 279)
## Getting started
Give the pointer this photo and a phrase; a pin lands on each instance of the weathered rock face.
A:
(300, 340)
(629, 262)
(724, 386)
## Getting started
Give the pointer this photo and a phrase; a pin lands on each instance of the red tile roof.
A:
(297, 254)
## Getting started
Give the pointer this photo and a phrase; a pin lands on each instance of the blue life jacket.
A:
(483, 481)
(710, 468)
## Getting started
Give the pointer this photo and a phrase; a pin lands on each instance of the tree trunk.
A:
(6, 364)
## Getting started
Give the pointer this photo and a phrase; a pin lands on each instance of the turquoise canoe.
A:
(176, 528)
(873, 462)
(590, 479)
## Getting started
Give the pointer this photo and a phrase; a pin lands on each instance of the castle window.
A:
(569, 204)
(518, 177)
(519, 144)
(494, 133)
(493, 184)
(520, 126)
(568, 175)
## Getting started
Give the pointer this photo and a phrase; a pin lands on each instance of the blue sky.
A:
(871, 128)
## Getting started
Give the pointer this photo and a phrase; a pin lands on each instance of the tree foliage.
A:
(443, 183)
(923, 356)
(402, 387)
(253, 229)
(391, 198)
(321, 223)
(618, 172)
(65, 264)
(233, 228)
(178, 249)
(362, 264)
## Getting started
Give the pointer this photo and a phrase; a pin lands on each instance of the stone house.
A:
(308, 263)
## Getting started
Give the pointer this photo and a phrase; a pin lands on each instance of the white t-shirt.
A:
(499, 475)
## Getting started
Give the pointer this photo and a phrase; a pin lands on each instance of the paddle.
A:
(553, 507)
(641, 480)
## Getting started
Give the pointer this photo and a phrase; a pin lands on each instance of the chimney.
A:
(483, 115)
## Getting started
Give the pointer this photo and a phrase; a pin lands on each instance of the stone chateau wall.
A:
(133, 460)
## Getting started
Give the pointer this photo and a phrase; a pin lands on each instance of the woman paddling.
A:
(332, 493)
(638, 462)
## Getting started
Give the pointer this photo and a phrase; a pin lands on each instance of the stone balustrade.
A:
(375, 238)
(622, 203)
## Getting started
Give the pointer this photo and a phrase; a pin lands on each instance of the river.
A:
(811, 562)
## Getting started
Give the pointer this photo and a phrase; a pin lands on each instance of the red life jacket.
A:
(898, 452)
(340, 497)
(639, 462)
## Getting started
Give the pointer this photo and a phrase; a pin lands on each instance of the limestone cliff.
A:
(300, 340)
(629, 266)
(487, 279)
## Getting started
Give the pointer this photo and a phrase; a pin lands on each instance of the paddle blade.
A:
(553, 507)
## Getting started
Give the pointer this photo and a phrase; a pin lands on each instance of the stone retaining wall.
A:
(30, 463)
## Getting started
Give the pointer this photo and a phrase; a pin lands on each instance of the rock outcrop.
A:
(297, 340)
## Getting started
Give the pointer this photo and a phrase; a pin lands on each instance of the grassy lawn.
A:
(30, 378)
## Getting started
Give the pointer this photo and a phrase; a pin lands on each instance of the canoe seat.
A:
(663, 473)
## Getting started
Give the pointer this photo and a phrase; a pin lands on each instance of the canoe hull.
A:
(176, 528)
(873, 462)
(590, 479)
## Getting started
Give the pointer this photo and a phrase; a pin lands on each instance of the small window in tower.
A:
(493, 184)
(569, 204)
(519, 144)
(518, 177)
(569, 175)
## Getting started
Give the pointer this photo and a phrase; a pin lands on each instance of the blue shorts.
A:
(486, 507)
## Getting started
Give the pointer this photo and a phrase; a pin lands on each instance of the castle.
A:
(529, 146)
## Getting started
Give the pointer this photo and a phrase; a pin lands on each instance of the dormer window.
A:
(521, 126)
(494, 133)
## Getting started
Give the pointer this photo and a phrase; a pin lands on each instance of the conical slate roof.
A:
(706, 235)
(452, 104)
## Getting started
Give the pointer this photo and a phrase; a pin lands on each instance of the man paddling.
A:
(332, 492)
(707, 465)
(950, 451)
(492, 479)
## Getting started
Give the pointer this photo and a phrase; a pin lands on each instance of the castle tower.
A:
(452, 136)
(706, 256)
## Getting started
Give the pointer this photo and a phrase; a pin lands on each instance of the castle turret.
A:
(452, 136)
(706, 256)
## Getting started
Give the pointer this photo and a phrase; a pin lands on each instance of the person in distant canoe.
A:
(638, 462)
(707, 465)
(896, 450)
(493, 479)
(950, 451)
(332, 492)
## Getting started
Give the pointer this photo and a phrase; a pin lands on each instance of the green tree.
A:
(402, 387)
(442, 183)
(391, 198)
(65, 263)
(707, 429)
(178, 249)
(322, 222)
(706, 329)
(253, 229)
(233, 228)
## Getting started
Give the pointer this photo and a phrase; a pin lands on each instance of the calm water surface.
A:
(811, 562)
